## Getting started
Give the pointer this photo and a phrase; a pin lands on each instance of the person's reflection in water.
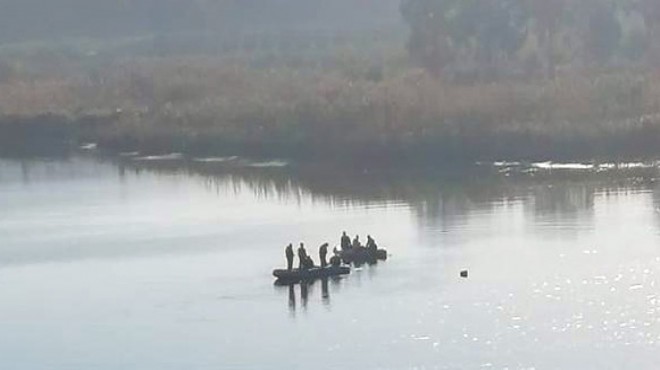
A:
(304, 293)
(25, 172)
(292, 300)
(307, 289)
(372, 271)
(121, 169)
(324, 292)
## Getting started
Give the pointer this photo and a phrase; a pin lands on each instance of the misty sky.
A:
(22, 20)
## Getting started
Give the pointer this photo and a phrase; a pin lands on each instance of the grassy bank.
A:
(207, 106)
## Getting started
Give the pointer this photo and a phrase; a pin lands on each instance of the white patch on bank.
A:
(165, 157)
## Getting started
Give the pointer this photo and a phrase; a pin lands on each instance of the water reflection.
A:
(325, 294)
(292, 298)
(563, 270)
(445, 206)
(437, 196)
(301, 292)
(304, 290)
(439, 199)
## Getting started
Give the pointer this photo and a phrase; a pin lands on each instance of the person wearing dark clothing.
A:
(356, 242)
(345, 242)
(371, 244)
(335, 261)
(289, 257)
(323, 253)
(309, 263)
(302, 256)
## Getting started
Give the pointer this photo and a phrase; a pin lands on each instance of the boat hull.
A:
(363, 255)
(296, 275)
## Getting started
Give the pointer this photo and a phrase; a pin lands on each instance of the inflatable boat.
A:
(296, 275)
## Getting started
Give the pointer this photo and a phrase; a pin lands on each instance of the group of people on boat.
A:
(306, 262)
(347, 245)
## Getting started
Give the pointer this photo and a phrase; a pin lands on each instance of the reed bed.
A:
(204, 105)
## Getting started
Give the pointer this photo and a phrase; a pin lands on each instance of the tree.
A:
(603, 32)
(547, 15)
(650, 10)
(440, 28)
(428, 44)
(492, 28)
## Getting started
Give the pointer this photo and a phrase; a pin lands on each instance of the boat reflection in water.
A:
(305, 288)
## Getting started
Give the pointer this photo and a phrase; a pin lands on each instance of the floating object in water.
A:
(296, 275)
(464, 274)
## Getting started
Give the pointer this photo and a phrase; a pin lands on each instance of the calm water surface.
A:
(104, 266)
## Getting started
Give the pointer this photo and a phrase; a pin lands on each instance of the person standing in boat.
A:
(345, 242)
(356, 242)
(302, 256)
(323, 253)
(289, 257)
(371, 244)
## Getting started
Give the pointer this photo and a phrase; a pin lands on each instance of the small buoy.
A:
(464, 273)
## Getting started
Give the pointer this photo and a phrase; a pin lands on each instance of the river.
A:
(112, 265)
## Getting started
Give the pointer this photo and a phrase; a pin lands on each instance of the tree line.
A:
(537, 35)
(474, 38)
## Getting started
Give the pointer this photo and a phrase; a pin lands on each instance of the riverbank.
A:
(199, 107)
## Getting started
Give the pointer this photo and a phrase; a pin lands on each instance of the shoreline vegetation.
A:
(397, 81)
(203, 106)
